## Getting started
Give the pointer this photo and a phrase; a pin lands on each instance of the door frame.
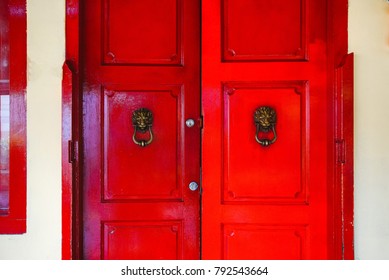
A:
(341, 171)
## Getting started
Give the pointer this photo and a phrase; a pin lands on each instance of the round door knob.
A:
(193, 186)
(190, 122)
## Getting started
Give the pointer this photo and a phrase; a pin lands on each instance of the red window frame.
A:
(13, 220)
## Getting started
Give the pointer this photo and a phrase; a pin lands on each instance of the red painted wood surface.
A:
(71, 127)
(4, 109)
(294, 212)
(266, 202)
(341, 80)
(345, 154)
(13, 221)
(137, 204)
(67, 158)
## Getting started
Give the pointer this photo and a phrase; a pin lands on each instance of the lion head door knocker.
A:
(142, 120)
(265, 119)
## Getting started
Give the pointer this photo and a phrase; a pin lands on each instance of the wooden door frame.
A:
(71, 136)
(341, 187)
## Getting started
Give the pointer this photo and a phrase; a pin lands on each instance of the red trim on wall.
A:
(14, 221)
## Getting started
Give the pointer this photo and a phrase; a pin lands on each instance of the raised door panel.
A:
(255, 173)
(272, 242)
(142, 32)
(269, 30)
(142, 240)
(149, 178)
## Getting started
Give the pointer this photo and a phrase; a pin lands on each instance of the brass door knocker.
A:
(265, 119)
(142, 120)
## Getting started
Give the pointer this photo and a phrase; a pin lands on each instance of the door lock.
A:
(190, 122)
(193, 186)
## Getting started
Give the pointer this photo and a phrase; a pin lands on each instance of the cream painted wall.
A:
(45, 51)
(369, 40)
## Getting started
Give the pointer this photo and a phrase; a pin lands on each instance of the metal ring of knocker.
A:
(265, 119)
(142, 120)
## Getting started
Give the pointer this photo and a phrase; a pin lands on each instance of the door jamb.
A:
(71, 137)
(341, 150)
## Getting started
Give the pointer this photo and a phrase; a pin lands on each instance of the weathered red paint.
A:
(14, 221)
(306, 211)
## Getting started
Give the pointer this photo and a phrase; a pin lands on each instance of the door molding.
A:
(71, 128)
(341, 69)
(341, 151)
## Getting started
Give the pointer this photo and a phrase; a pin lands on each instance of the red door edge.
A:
(70, 163)
(344, 169)
(67, 170)
(341, 67)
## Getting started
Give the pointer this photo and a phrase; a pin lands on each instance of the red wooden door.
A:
(265, 201)
(141, 55)
(266, 190)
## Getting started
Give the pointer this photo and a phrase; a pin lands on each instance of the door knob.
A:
(193, 186)
(265, 119)
(142, 120)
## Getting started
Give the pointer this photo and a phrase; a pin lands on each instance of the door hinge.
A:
(340, 151)
(201, 122)
(72, 151)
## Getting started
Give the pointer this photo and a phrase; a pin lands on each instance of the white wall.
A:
(45, 51)
(369, 40)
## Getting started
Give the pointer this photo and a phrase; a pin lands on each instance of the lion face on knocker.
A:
(142, 119)
(266, 117)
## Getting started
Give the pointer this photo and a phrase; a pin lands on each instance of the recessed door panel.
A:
(255, 30)
(265, 174)
(140, 240)
(272, 242)
(122, 155)
(142, 32)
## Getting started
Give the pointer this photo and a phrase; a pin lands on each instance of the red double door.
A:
(205, 129)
